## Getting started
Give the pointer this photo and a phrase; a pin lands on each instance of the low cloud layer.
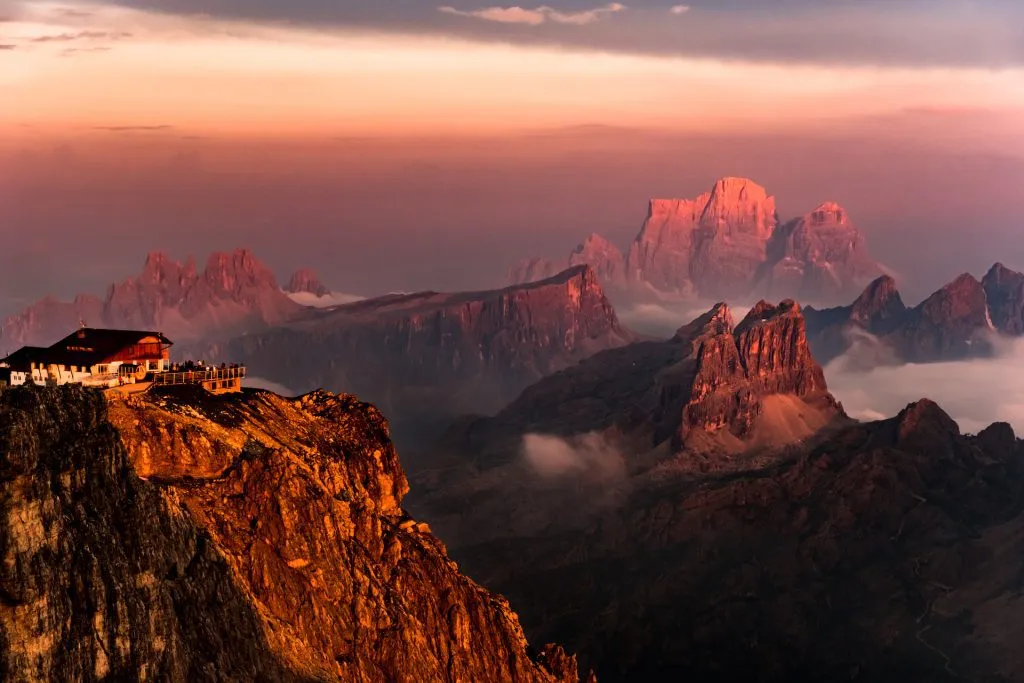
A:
(587, 457)
(975, 393)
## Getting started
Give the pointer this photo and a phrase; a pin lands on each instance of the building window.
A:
(101, 369)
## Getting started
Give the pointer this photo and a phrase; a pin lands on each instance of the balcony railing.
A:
(198, 376)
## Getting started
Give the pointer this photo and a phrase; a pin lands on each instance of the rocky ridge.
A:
(235, 292)
(961, 320)
(187, 537)
(426, 357)
(306, 281)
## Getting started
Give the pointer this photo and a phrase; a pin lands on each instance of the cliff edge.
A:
(244, 538)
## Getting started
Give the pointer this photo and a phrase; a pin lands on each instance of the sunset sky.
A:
(309, 67)
(110, 112)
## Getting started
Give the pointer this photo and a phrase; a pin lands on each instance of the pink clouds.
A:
(537, 16)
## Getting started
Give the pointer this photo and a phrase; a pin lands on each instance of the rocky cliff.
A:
(715, 243)
(235, 292)
(243, 538)
(426, 357)
(711, 378)
(952, 323)
(708, 400)
(603, 257)
(878, 311)
(727, 243)
(532, 270)
(821, 256)
(1004, 292)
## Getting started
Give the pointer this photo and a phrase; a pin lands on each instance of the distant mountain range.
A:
(233, 294)
(728, 244)
(963, 319)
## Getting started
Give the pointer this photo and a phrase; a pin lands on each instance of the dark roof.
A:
(107, 342)
(20, 359)
(83, 347)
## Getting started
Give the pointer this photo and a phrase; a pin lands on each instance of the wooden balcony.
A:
(216, 380)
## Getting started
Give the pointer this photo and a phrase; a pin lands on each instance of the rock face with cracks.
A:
(186, 537)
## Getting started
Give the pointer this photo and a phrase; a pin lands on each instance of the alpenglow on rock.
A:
(729, 243)
(235, 293)
(820, 256)
(183, 538)
(712, 245)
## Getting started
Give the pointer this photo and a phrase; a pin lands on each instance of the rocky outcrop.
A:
(532, 270)
(48, 320)
(729, 243)
(306, 281)
(950, 324)
(959, 321)
(737, 369)
(878, 311)
(234, 293)
(603, 257)
(729, 240)
(821, 256)
(712, 245)
(699, 402)
(1004, 291)
(264, 540)
(888, 551)
(427, 357)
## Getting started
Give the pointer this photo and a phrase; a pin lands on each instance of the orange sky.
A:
(207, 77)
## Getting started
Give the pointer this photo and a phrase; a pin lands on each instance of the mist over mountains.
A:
(471, 209)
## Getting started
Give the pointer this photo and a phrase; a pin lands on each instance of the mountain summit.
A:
(235, 292)
(728, 242)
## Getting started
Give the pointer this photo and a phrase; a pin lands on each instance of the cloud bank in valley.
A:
(975, 393)
(589, 457)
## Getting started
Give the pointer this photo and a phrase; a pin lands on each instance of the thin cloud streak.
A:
(72, 51)
(535, 17)
(133, 129)
(81, 35)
